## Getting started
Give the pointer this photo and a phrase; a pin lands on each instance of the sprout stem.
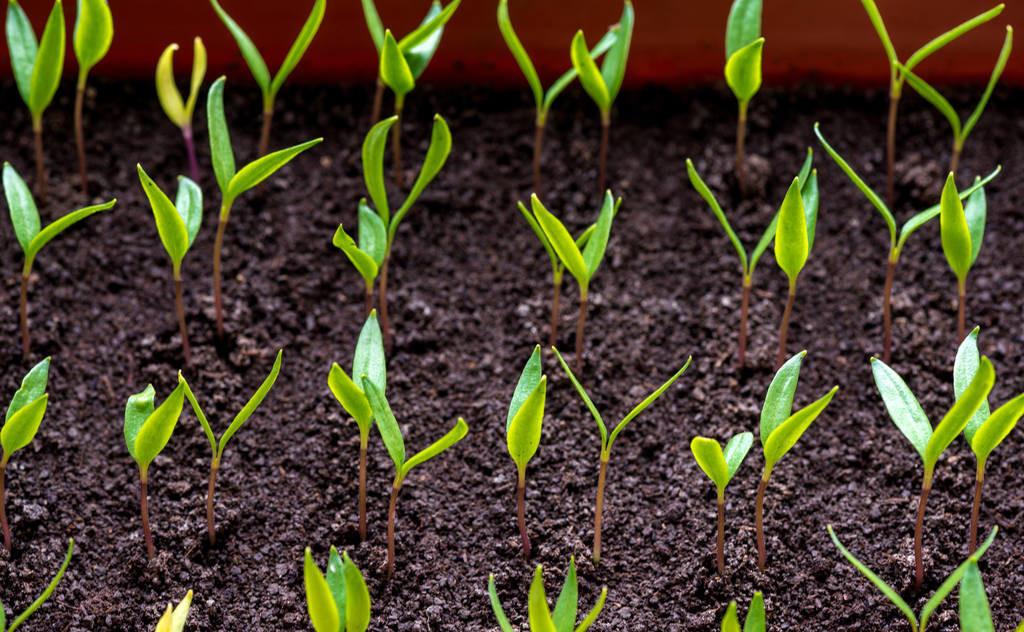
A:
(144, 506)
(890, 146)
(954, 159)
(972, 542)
(4, 525)
(392, 511)
(521, 513)
(218, 244)
(382, 299)
(190, 149)
(581, 323)
(364, 439)
(741, 353)
(538, 148)
(80, 136)
(26, 342)
(721, 533)
(378, 100)
(890, 273)
(606, 125)
(211, 527)
(369, 298)
(556, 310)
(926, 487)
(268, 117)
(762, 554)
(961, 315)
(780, 357)
(599, 506)
(37, 132)
(396, 142)
(741, 151)
(179, 308)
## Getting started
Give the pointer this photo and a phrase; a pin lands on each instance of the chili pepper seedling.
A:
(755, 621)
(178, 224)
(391, 435)
(339, 601)
(175, 617)
(963, 229)
(897, 240)
(234, 182)
(368, 360)
(975, 614)
(898, 70)
(368, 255)
(608, 439)
(24, 414)
(42, 598)
(218, 445)
(721, 466)
(179, 111)
(147, 429)
(541, 617)
(258, 67)
(744, 48)
(603, 84)
(781, 428)
(94, 31)
(522, 430)
(930, 443)
(25, 218)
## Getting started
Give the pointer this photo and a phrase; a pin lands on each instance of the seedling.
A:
(24, 414)
(744, 48)
(917, 623)
(218, 445)
(175, 617)
(339, 601)
(258, 67)
(781, 428)
(177, 224)
(522, 430)
(37, 67)
(543, 99)
(147, 429)
(608, 439)
(930, 443)
(963, 229)
(898, 73)
(896, 240)
(721, 466)
(367, 256)
(603, 84)
(391, 435)
(179, 111)
(986, 430)
(25, 218)
(755, 621)
(234, 182)
(368, 360)
(94, 31)
(542, 618)
(41, 599)
(975, 614)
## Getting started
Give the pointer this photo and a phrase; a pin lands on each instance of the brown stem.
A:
(37, 132)
(581, 323)
(606, 125)
(538, 144)
(179, 308)
(741, 151)
(741, 353)
(979, 482)
(954, 159)
(80, 138)
(919, 533)
(890, 148)
(396, 144)
(762, 554)
(218, 298)
(521, 512)
(363, 441)
(721, 534)
(392, 510)
(378, 100)
(26, 343)
(268, 117)
(780, 357)
(602, 476)
(144, 506)
(3, 506)
(382, 300)
(190, 149)
(890, 273)
(369, 298)
(211, 527)
(556, 309)
(961, 309)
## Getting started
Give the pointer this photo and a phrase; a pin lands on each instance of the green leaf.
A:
(373, 235)
(965, 366)
(357, 598)
(613, 68)
(879, 583)
(58, 226)
(179, 616)
(603, 46)
(991, 433)
(593, 252)
(743, 70)
(539, 614)
(373, 23)
(22, 45)
(373, 165)
(156, 430)
(719, 214)
(178, 111)
(639, 408)
(810, 195)
(586, 399)
(529, 378)
(934, 45)
(975, 615)
(711, 459)
(387, 425)
(590, 77)
(351, 397)
(45, 595)
(196, 408)
(791, 239)
(736, 451)
(778, 400)
(437, 154)
(523, 433)
(904, 409)
(369, 360)
(198, 73)
(169, 223)
(19, 430)
(221, 154)
(975, 211)
(453, 436)
(323, 613)
(927, 215)
(335, 576)
(953, 580)
(252, 56)
(519, 53)
(997, 71)
(594, 612)
(956, 235)
(299, 46)
(731, 622)
(49, 62)
(419, 47)
(136, 412)
(958, 416)
(189, 204)
(394, 70)
(262, 168)
(939, 102)
(363, 262)
(22, 206)
(561, 242)
(756, 621)
(33, 386)
(783, 438)
(564, 614)
(251, 405)
(743, 26)
(94, 31)
(499, 612)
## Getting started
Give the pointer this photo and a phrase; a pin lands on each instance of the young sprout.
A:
(963, 229)
(37, 67)
(94, 31)
(721, 466)
(542, 618)
(603, 84)
(179, 111)
(522, 430)
(31, 237)
(744, 47)
(391, 435)
(543, 99)
(755, 621)
(368, 360)
(258, 67)
(975, 614)
(41, 599)
(897, 240)
(234, 182)
(147, 429)
(368, 255)
(217, 446)
(177, 224)
(930, 443)
(339, 601)
(898, 74)
(917, 623)
(781, 428)
(175, 617)
(986, 429)
(608, 439)
(24, 414)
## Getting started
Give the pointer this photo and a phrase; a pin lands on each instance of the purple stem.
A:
(193, 166)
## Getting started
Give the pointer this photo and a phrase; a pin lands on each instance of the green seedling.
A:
(234, 182)
(367, 256)
(917, 623)
(541, 617)
(744, 48)
(975, 613)
(41, 599)
(930, 443)
(218, 445)
(603, 84)
(178, 110)
(543, 99)
(258, 67)
(781, 428)
(24, 414)
(721, 466)
(963, 229)
(755, 621)
(147, 429)
(522, 430)
(369, 360)
(339, 601)
(373, 175)
(37, 67)
(391, 435)
(898, 73)
(608, 438)
(32, 238)
(986, 429)
(897, 239)
(177, 224)
(94, 31)
(175, 617)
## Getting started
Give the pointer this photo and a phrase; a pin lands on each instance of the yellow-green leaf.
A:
(993, 430)
(394, 70)
(169, 224)
(561, 241)
(589, 74)
(157, 429)
(22, 426)
(323, 613)
(961, 412)
(956, 235)
(789, 432)
(743, 70)
(791, 242)
(539, 612)
(49, 62)
(350, 396)
(711, 459)
(523, 436)
(94, 31)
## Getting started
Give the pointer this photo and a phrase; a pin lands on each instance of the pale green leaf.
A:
(904, 409)
(22, 45)
(539, 613)
(426, 38)
(387, 425)
(878, 582)
(594, 612)
(221, 154)
(196, 408)
(991, 433)
(927, 215)
(136, 411)
(22, 207)
(252, 56)
(60, 225)
(47, 592)
(953, 580)
(19, 430)
(743, 70)
(564, 614)
(755, 621)
(975, 615)
(373, 234)
(167, 89)
(736, 451)
(323, 613)
(997, 71)
(961, 412)
(156, 431)
(369, 360)
(719, 214)
(590, 76)
(357, 598)
(394, 70)
(566, 78)
(351, 397)
(561, 242)
(939, 102)
(529, 378)
(437, 154)
(453, 436)
(361, 261)
(262, 168)
(335, 576)
(251, 405)
(778, 400)
(499, 611)
(791, 239)
(639, 408)
(49, 62)
(169, 224)
(94, 31)
(613, 68)
(937, 43)
(783, 438)
(189, 204)
(299, 46)
(743, 26)
(711, 459)
(601, 427)
(519, 53)
(373, 165)
(965, 366)
(33, 386)
(731, 622)
(373, 23)
(523, 434)
(956, 235)
(593, 252)
(975, 211)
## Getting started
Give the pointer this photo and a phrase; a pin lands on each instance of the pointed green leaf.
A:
(387, 425)
(778, 400)
(453, 436)
(437, 154)
(736, 451)
(743, 26)
(731, 622)
(904, 409)
(299, 46)
(613, 68)
(965, 366)
(198, 410)
(783, 438)
(373, 165)
(953, 580)
(961, 412)
(527, 384)
(934, 45)
(499, 611)
(956, 235)
(373, 235)
(369, 360)
(523, 433)
(427, 38)
(335, 576)
(351, 397)
(22, 45)
(593, 252)
(975, 211)
(136, 412)
(927, 215)
(198, 73)
(586, 399)
(755, 621)
(566, 78)
(45, 595)
(594, 612)
(58, 226)
(22, 206)
(564, 614)
(719, 214)
(94, 31)
(997, 71)
(49, 62)
(167, 90)
(19, 430)
(791, 240)
(373, 23)
(519, 53)
(156, 431)
(394, 70)
(743, 70)
(810, 196)
(33, 386)
(991, 433)
(179, 616)
(561, 242)
(361, 261)
(251, 405)
(262, 168)
(590, 77)
(711, 459)
(878, 582)
(639, 408)
(252, 56)
(939, 102)
(221, 154)
(323, 613)
(189, 204)
(975, 615)
(539, 613)
(357, 598)
(169, 223)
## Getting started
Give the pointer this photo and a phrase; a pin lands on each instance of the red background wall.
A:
(676, 41)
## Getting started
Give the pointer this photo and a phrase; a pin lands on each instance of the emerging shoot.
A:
(368, 255)
(744, 48)
(963, 229)
(522, 431)
(721, 466)
(94, 31)
(339, 601)
(42, 598)
(755, 621)
(175, 617)
(540, 615)
(178, 110)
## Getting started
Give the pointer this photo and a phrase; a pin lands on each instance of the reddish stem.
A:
(599, 506)
(581, 323)
(363, 441)
(926, 487)
(378, 100)
(37, 132)
(179, 308)
(741, 354)
(521, 512)
(954, 159)
(890, 273)
(26, 343)
(762, 554)
(382, 300)
(268, 117)
(741, 151)
(721, 535)
(972, 542)
(538, 143)
(396, 145)
(190, 149)
(780, 357)
(218, 298)
(4, 525)
(369, 298)
(80, 138)
(211, 527)
(606, 125)
(556, 310)
(392, 511)
(961, 309)
(890, 148)
(144, 506)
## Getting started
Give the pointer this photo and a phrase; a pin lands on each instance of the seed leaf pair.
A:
(94, 31)
(368, 255)
(603, 84)
(37, 66)
(175, 617)
(962, 229)
(743, 49)
(179, 110)
(338, 601)
(403, 61)
(541, 617)
(42, 598)
(177, 223)
(720, 466)
(755, 621)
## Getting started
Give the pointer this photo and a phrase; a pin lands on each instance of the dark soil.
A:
(471, 290)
